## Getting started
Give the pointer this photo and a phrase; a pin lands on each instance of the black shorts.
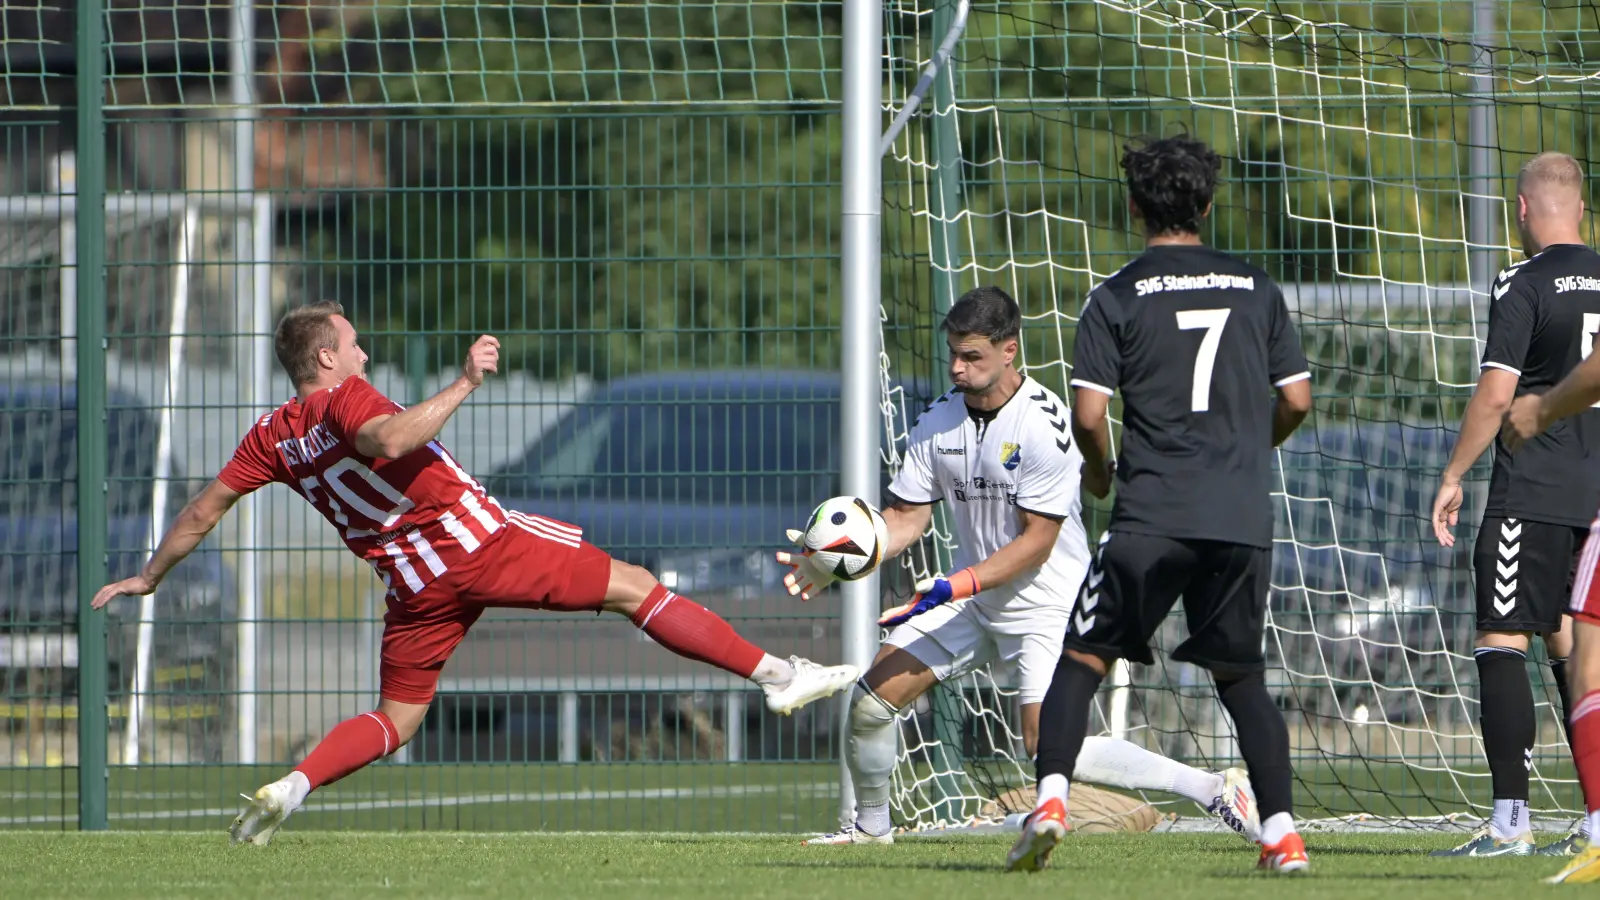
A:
(1134, 581)
(1524, 573)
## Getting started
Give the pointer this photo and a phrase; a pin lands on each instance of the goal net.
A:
(1367, 148)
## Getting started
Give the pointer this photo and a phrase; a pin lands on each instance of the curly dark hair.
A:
(988, 311)
(1172, 181)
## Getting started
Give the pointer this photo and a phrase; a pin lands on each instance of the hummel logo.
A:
(1505, 570)
(1039, 397)
(1509, 533)
(1501, 290)
(1504, 609)
(1059, 425)
(1527, 763)
(1510, 551)
(1095, 577)
(1051, 410)
(1063, 446)
(1081, 623)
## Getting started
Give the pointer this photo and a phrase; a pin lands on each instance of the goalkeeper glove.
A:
(808, 578)
(932, 592)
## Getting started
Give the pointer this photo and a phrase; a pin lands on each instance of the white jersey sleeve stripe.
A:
(1285, 382)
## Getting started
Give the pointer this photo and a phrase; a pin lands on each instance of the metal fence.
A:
(641, 201)
(647, 203)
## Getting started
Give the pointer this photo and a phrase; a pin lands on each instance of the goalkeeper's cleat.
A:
(1584, 869)
(849, 834)
(810, 682)
(1043, 830)
(1287, 855)
(268, 810)
(1482, 843)
(1571, 845)
(1236, 805)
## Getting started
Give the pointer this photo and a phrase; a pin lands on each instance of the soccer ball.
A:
(847, 537)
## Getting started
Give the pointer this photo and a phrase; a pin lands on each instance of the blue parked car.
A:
(195, 605)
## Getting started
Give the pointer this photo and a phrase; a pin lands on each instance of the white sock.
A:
(871, 753)
(1277, 827)
(1591, 824)
(772, 670)
(1052, 787)
(300, 786)
(874, 820)
(1117, 763)
(1510, 819)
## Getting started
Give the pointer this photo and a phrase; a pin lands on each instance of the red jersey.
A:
(411, 518)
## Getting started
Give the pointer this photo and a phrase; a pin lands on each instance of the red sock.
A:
(1586, 747)
(351, 744)
(689, 629)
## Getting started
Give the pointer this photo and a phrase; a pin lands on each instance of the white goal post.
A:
(1364, 170)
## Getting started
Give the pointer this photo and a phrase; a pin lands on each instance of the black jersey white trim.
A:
(1501, 366)
(1285, 382)
(1080, 383)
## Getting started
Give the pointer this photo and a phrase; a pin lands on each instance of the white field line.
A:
(824, 791)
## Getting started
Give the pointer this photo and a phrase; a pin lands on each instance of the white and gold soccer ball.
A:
(846, 537)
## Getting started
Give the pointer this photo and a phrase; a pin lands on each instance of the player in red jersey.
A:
(445, 549)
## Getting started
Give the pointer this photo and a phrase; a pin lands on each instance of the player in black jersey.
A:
(1543, 315)
(1195, 340)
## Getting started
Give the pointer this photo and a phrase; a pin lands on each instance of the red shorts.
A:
(1585, 602)
(519, 567)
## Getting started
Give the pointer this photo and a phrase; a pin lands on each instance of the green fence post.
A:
(90, 217)
(945, 259)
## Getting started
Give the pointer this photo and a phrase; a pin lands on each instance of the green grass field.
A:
(767, 798)
(1102, 867)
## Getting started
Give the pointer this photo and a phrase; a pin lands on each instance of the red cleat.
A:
(1287, 855)
(1045, 828)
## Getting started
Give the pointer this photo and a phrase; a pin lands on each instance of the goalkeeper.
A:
(998, 451)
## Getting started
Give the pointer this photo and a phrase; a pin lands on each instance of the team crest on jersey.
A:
(1010, 455)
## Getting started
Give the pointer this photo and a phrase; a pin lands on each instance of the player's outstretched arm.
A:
(907, 522)
(393, 436)
(1292, 407)
(190, 528)
(1490, 400)
(1531, 414)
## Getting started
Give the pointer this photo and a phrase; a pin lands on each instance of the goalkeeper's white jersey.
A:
(1024, 458)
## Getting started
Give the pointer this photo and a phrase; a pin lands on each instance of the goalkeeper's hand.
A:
(932, 592)
(807, 578)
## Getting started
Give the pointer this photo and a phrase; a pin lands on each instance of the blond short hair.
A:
(302, 333)
(1551, 169)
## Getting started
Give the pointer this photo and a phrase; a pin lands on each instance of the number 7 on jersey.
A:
(1213, 321)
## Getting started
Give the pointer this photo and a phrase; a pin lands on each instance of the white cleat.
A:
(1236, 805)
(849, 834)
(269, 809)
(810, 682)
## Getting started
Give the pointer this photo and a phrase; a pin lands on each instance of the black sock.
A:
(1263, 740)
(1064, 717)
(1558, 671)
(1505, 713)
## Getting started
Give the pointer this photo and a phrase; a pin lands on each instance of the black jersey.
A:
(1195, 340)
(1544, 313)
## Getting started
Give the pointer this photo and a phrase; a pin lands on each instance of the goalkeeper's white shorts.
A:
(963, 635)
